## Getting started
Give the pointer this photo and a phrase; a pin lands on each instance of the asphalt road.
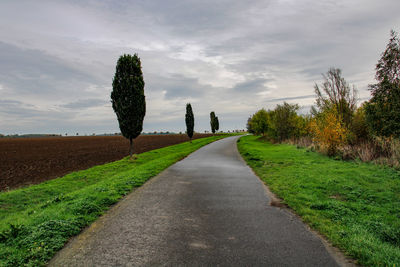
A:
(207, 210)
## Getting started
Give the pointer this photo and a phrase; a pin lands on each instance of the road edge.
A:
(337, 254)
(98, 224)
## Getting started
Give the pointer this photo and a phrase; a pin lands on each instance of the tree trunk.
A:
(131, 147)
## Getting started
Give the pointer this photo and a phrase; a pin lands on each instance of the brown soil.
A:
(25, 161)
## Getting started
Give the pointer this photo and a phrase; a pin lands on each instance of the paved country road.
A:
(206, 210)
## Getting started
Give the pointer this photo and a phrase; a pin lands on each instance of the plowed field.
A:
(25, 161)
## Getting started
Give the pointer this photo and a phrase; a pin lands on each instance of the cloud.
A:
(291, 98)
(27, 72)
(18, 109)
(178, 86)
(22, 117)
(232, 57)
(251, 86)
(85, 103)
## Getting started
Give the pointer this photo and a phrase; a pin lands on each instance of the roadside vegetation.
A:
(36, 221)
(356, 205)
(350, 190)
(338, 127)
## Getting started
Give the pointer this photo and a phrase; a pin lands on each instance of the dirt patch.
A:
(337, 197)
(25, 161)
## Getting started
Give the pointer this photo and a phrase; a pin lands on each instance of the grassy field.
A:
(36, 221)
(355, 205)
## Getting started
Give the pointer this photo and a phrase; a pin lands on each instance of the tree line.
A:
(336, 125)
(129, 104)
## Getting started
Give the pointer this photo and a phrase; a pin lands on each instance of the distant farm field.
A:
(25, 161)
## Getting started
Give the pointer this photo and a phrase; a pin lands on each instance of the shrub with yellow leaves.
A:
(328, 131)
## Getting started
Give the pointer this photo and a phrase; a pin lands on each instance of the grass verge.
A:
(355, 205)
(36, 221)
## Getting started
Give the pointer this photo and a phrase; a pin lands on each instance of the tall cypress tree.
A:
(216, 124)
(189, 119)
(212, 121)
(127, 97)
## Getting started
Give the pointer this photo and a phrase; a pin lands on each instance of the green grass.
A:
(36, 221)
(355, 205)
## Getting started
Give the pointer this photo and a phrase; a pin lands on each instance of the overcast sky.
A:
(57, 58)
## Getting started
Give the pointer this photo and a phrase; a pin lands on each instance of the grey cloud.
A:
(291, 98)
(289, 42)
(177, 86)
(28, 71)
(251, 86)
(18, 109)
(85, 103)
(21, 117)
(195, 17)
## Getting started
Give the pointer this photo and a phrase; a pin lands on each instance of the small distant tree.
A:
(189, 119)
(259, 122)
(212, 121)
(249, 126)
(383, 110)
(284, 120)
(216, 124)
(127, 97)
(336, 93)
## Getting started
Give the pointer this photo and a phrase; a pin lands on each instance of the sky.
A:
(58, 58)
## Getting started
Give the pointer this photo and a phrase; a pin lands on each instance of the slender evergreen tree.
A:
(383, 109)
(127, 97)
(189, 119)
(212, 121)
(216, 124)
